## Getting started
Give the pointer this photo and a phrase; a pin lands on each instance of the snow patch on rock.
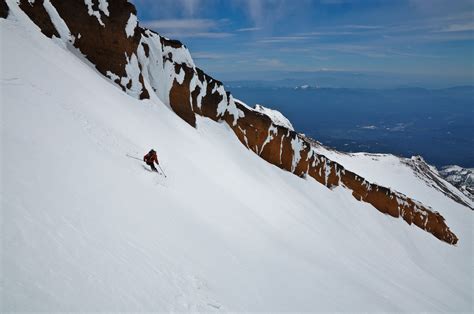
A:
(297, 146)
(133, 76)
(131, 25)
(277, 117)
(58, 22)
(112, 76)
(158, 66)
(93, 12)
(240, 102)
(227, 104)
(179, 55)
(104, 7)
(272, 130)
(195, 82)
(180, 76)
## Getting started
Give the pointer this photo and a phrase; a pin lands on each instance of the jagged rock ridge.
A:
(143, 63)
(462, 178)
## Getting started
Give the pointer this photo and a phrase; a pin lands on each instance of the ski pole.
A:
(134, 157)
(162, 170)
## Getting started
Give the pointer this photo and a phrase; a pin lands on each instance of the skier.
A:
(150, 159)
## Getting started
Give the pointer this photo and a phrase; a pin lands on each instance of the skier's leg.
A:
(153, 167)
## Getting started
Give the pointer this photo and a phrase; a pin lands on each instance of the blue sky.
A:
(427, 38)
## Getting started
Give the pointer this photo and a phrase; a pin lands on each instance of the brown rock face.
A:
(210, 100)
(180, 95)
(40, 17)
(3, 9)
(164, 67)
(107, 46)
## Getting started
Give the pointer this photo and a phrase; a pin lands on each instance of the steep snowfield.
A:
(87, 228)
(389, 170)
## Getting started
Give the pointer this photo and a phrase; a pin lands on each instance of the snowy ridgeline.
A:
(277, 117)
(85, 228)
(462, 178)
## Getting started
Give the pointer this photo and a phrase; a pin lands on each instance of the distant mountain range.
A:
(304, 84)
(343, 79)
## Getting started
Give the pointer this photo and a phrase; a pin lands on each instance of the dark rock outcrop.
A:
(3, 9)
(461, 178)
(180, 95)
(40, 17)
(108, 46)
(142, 63)
(99, 34)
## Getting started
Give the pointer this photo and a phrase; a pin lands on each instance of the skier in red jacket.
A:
(150, 159)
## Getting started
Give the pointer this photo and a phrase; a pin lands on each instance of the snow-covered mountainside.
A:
(372, 165)
(462, 178)
(88, 228)
(146, 65)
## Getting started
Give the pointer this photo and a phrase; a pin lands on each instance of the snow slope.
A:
(395, 172)
(85, 228)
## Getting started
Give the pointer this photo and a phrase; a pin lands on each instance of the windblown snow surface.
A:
(86, 228)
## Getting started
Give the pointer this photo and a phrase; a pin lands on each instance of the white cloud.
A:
(208, 35)
(362, 27)
(187, 28)
(268, 12)
(172, 8)
(225, 56)
(190, 6)
(281, 39)
(459, 27)
(182, 24)
(215, 35)
(208, 55)
(255, 9)
(249, 29)
(270, 62)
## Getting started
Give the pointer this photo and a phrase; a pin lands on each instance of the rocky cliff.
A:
(144, 64)
(462, 178)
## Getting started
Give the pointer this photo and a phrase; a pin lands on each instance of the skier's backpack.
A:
(148, 158)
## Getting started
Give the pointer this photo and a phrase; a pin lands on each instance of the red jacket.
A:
(151, 157)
